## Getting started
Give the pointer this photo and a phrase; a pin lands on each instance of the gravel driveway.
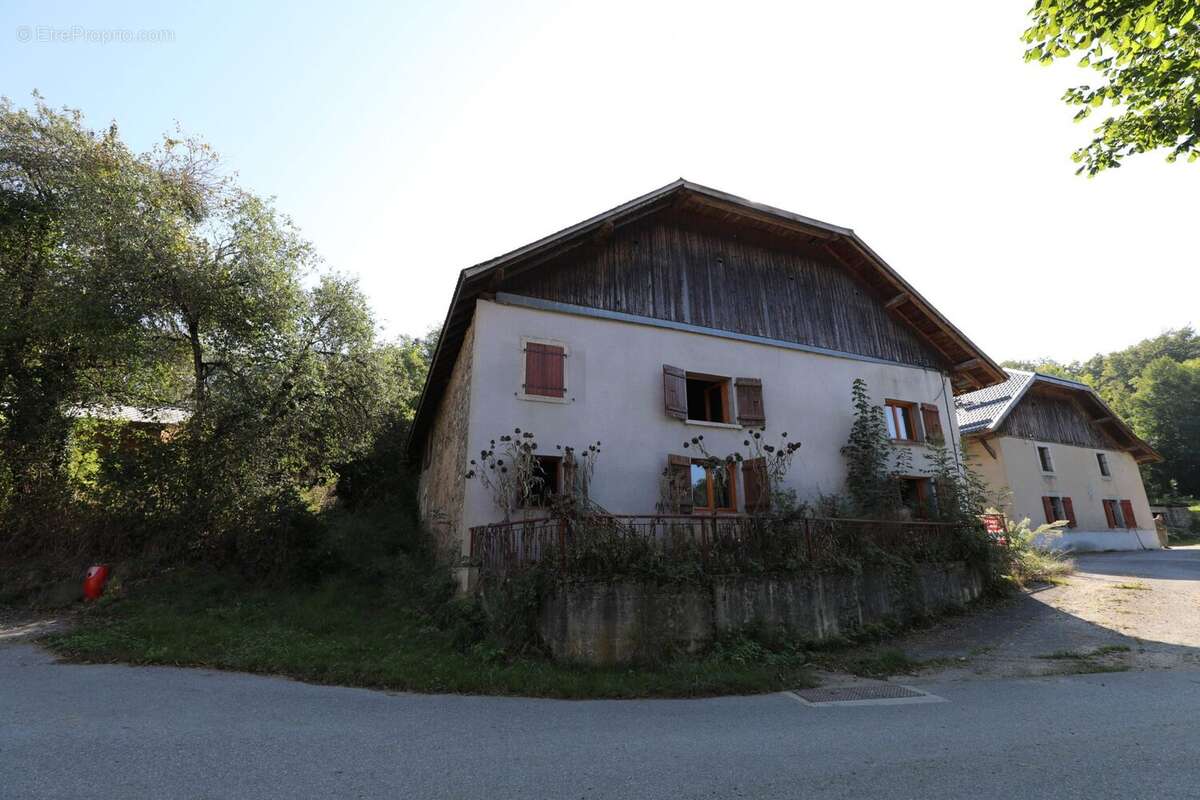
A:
(1128, 610)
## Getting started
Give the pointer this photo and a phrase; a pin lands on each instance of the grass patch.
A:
(360, 634)
(1092, 668)
(1104, 650)
(1041, 566)
(879, 663)
(1134, 586)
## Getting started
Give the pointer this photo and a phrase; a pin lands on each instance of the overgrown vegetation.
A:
(154, 281)
(1028, 556)
(399, 633)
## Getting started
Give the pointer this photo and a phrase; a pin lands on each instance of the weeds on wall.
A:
(512, 473)
(872, 468)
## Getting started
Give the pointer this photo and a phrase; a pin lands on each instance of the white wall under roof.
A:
(1076, 475)
(615, 393)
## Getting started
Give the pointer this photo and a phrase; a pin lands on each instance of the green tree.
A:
(1166, 411)
(79, 224)
(1148, 54)
(870, 472)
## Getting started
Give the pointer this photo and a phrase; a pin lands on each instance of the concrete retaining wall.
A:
(614, 622)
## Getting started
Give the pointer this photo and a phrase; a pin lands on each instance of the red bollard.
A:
(93, 584)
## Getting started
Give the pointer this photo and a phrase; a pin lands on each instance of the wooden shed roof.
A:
(968, 366)
(982, 413)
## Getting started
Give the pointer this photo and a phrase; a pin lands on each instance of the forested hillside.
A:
(1155, 386)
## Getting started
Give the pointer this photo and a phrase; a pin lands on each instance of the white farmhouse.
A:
(682, 313)
(1055, 451)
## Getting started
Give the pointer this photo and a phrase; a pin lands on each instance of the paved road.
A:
(70, 731)
(109, 731)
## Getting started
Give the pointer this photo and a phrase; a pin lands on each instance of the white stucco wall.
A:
(615, 392)
(1076, 475)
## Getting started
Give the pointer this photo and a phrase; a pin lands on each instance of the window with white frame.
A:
(1045, 459)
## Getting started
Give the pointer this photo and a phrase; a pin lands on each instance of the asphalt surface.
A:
(71, 731)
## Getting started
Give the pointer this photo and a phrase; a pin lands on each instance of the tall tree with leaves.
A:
(870, 479)
(1148, 54)
(1166, 411)
(79, 226)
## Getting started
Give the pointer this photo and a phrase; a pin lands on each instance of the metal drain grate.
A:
(864, 694)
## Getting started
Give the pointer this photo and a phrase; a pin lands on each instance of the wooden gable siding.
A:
(1055, 418)
(668, 268)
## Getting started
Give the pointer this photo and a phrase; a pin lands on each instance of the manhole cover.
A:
(865, 694)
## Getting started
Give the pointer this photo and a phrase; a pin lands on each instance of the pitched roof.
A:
(986, 408)
(984, 411)
(969, 366)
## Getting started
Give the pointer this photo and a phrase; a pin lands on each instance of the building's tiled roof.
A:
(985, 408)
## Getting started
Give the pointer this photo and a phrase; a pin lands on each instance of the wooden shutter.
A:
(544, 370)
(568, 474)
(1069, 508)
(750, 402)
(675, 392)
(1048, 507)
(679, 469)
(1127, 512)
(757, 487)
(1109, 515)
(931, 421)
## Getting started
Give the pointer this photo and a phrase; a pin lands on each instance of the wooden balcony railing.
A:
(613, 544)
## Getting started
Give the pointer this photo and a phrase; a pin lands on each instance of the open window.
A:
(708, 398)
(547, 482)
(1102, 461)
(714, 488)
(918, 496)
(901, 420)
(1059, 508)
(1119, 513)
(700, 397)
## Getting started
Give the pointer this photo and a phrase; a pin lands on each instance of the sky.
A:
(411, 140)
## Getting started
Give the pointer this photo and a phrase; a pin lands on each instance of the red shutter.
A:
(675, 392)
(1127, 512)
(679, 478)
(1069, 508)
(1048, 507)
(932, 422)
(750, 402)
(757, 487)
(544, 370)
(1109, 515)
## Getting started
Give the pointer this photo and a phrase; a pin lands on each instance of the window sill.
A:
(905, 442)
(733, 426)
(541, 398)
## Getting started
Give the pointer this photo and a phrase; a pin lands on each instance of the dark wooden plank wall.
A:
(678, 270)
(1053, 418)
